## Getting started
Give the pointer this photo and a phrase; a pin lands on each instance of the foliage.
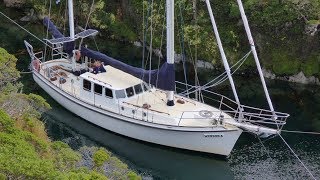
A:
(105, 162)
(283, 64)
(8, 72)
(100, 157)
(65, 157)
(26, 152)
(311, 66)
(276, 21)
(26, 156)
(23, 106)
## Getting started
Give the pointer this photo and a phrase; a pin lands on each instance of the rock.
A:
(268, 74)
(297, 78)
(29, 17)
(204, 64)
(312, 29)
(137, 43)
(301, 78)
(14, 3)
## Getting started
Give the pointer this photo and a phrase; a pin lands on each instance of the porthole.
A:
(133, 111)
(122, 108)
(144, 114)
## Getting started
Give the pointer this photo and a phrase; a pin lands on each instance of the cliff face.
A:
(287, 33)
(14, 3)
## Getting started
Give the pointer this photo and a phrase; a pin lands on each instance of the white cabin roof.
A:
(113, 78)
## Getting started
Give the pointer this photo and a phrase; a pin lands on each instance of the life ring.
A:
(36, 64)
(205, 113)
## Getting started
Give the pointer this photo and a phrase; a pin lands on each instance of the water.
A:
(248, 160)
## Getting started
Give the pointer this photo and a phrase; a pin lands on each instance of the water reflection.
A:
(157, 161)
(249, 159)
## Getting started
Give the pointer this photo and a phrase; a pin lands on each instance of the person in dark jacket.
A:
(98, 67)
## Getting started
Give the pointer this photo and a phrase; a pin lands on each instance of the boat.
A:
(145, 104)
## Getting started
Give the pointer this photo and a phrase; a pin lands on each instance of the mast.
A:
(71, 18)
(255, 55)
(170, 43)
(223, 55)
(71, 29)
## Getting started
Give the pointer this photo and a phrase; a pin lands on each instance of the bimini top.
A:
(113, 78)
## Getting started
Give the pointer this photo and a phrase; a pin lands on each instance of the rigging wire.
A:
(301, 132)
(297, 157)
(145, 24)
(22, 28)
(47, 35)
(161, 41)
(264, 147)
(182, 47)
(151, 38)
(87, 22)
(221, 78)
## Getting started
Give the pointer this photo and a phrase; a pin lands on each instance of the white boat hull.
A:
(202, 139)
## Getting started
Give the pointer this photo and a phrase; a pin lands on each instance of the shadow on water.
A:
(157, 161)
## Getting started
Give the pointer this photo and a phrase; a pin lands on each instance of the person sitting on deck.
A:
(98, 67)
(81, 71)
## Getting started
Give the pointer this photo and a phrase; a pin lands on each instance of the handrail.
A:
(144, 108)
(249, 114)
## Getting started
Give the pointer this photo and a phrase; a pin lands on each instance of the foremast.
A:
(170, 43)
(223, 55)
(254, 52)
(242, 120)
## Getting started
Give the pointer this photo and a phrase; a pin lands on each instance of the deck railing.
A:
(242, 113)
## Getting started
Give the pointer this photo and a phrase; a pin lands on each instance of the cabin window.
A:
(120, 94)
(145, 87)
(97, 89)
(138, 88)
(86, 85)
(130, 91)
(108, 93)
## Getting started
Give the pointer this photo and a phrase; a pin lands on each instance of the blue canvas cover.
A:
(67, 47)
(163, 78)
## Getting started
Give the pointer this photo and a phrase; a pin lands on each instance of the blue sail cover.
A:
(67, 47)
(162, 78)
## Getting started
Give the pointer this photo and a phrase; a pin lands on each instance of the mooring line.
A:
(264, 147)
(297, 156)
(301, 132)
(27, 72)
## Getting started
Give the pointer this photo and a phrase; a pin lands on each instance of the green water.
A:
(248, 160)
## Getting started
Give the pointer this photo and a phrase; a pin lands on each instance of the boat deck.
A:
(186, 112)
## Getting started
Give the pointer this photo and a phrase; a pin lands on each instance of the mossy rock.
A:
(284, 64)
(311, 66)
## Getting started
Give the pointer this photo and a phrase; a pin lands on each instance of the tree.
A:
(8, 72)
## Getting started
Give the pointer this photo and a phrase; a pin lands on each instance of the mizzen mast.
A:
(170, 43)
